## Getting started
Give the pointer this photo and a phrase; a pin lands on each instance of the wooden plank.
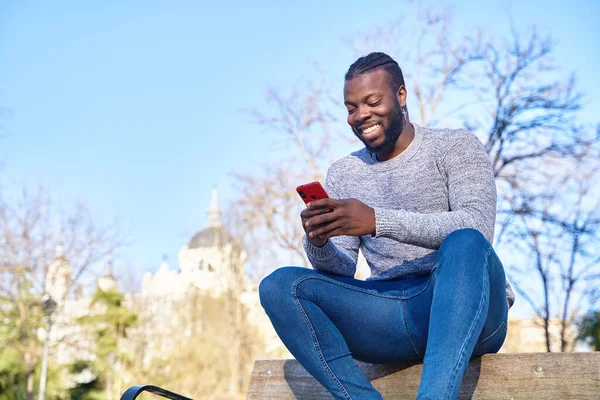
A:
(548, 376)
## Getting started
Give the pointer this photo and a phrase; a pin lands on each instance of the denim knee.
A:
(279, 283)
(466, 238)
(464, 248)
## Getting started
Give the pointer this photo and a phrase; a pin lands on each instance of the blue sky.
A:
(135, 107)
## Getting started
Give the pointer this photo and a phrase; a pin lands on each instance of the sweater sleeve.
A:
(339, 254)
(471, 200)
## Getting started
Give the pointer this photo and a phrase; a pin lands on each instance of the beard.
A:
(390, 133)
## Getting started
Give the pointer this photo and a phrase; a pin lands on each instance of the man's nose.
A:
(362, 114)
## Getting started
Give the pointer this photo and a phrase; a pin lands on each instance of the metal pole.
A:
(48, 307)
(42, 393)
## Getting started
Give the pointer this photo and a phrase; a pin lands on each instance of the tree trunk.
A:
(30, 383)
(235, 309)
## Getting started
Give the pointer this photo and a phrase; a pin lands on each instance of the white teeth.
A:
(371, 128)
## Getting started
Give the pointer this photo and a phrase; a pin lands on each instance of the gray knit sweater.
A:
(442, 182)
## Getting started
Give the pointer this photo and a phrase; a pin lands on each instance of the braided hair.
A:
(376, 60)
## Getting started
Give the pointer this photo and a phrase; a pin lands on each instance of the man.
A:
(420, 204)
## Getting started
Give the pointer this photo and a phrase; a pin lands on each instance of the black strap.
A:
(135, 391)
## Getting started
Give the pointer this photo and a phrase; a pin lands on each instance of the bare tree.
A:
(541, 158)
(267, 206)
(558, 228)
(29, 226)
(528, 112)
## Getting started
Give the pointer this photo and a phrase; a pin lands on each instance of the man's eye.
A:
(350, 111)
(375, 104)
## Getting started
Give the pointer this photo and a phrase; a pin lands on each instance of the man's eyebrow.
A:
(373, 94)
(366, 97)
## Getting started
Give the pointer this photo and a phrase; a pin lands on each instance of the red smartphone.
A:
(311, 191)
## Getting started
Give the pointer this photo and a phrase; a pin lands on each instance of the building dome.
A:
(214, 234)
(108, 282)
(211, 236)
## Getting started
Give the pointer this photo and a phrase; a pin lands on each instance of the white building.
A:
(211, 263)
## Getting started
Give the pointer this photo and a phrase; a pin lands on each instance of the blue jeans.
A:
(444, 318)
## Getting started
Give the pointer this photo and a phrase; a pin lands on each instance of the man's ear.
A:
(401, 96)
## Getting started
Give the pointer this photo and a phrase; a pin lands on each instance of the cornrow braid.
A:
(376, 60)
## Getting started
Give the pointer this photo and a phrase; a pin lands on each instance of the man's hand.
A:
(326, 218)
(306, 215)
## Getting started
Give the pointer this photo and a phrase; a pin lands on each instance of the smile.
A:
(370, 132)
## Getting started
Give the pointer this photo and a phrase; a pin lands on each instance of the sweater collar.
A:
(406, 155)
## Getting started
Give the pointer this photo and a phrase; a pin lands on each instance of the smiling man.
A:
(420, 203)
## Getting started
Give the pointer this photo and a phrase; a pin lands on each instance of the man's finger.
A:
(333, 233)
(321, 219)
(308, 213)
(324, 203)
(325, 229)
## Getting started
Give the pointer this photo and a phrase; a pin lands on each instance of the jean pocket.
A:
(493, 342)
(416, 284)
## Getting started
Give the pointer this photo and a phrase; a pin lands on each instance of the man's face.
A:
(374, 111)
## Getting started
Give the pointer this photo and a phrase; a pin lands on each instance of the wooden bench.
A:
(548, 376)
(545, 376)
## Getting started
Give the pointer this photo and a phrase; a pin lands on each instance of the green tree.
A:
(109, 319)
(589, 330)
(21, 345)
(30, 223)
(12, 376)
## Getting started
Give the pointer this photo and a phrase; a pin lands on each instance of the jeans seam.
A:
(365, 291)
(314, 336)
(405, 315)
(412, 344)
(502, 325)
(469, 334)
